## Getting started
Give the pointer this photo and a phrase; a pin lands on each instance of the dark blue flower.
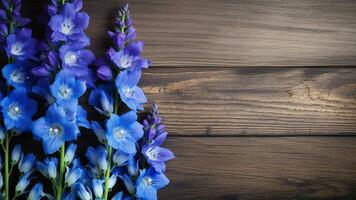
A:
(66, 88)
(54, 129)
(21, 45)
(123, 131)
(69, 24)
(101, 99)
(17, 110)
(18, 74)
(130, 93)
(148, 183)
(129, 57)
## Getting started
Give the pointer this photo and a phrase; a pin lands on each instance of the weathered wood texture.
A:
(262, 168)
(236, 33)
(255, 101)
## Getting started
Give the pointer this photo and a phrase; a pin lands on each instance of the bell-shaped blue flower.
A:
(66, 88)
(98, 131)
(69, 24)
(54, 129)
(130, 93)
(18, 74)
(83, 192)
(128, 182)
(148, 183)
(132, 167)
(26, 163)
(118, 196)
(129, 57)
(70, 153)
(72, 175)
(21, 44)
(101, 99)
(17, 110)
(120, 158)
(97, 187)
(22, 184)
(123, 132)
(16, 154)
(48, 168)
(36, 192)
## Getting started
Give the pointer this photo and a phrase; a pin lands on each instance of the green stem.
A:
(7, 178)
(63, 2)
(107, 174)
(61, 173)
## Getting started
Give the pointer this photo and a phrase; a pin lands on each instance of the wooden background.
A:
(259, 96)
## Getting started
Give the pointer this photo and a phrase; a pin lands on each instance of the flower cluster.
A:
(129, 162)
(16, 107)
(62, 79)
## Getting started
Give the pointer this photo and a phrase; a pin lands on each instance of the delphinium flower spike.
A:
(122, 136)
(63, 78)
(16, 107)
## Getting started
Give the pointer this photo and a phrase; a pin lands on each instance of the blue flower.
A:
(83, 192)
(70, 153)
(128, 182)
(21, 45)
(18, 74)
(120, 158)
(22, 184)
(118, 196)
(72, 175)
(97, 160)
(26, 163)
(75, 60)
(101, 99)
(54, 129)
(48, 168)
(123, 131)
(16, 153)
(36, 192)
(129, 57)
(97, 187)
(98, 131)
(17, 110)
(130, 93)
(148, 183)
(69, 24)
(66, 88)
(132, 167)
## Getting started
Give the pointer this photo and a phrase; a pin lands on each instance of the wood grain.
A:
(262, 168)
(254, 101)
(236, 33)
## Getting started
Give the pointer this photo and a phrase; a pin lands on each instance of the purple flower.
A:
(129, 57)
(157, 156)
(75, 59)
(21, 45)
(130, 93)
(103, 71)
(69, 24)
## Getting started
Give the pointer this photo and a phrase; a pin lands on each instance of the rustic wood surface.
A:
(235, 79)
(237, 32)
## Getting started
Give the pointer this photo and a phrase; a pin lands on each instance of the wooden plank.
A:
(254, 101)
(236, 33)
(262, 168)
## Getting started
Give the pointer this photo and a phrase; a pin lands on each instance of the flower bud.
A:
(16, 153)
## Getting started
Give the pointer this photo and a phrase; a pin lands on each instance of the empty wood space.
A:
(259, 96)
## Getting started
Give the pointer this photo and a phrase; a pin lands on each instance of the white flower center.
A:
(120, 133)
(55, 130)
(126, 61)
(70, 58)
(67, 27)
(18, 76)
(129, 92)
(65, 92)
(14, 111)
(152, 153)
(17, 49)
(148, 181)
